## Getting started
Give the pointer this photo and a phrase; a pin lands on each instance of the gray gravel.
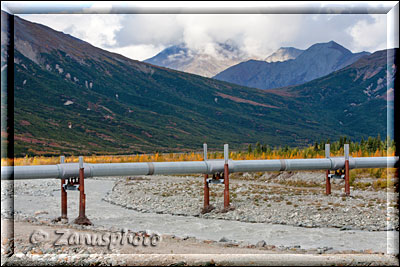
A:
(262, 217)
(265, 200)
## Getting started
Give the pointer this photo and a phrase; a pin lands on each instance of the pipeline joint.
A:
(283, 165)
(151, 168)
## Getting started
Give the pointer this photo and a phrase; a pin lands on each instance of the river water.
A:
(102, 213)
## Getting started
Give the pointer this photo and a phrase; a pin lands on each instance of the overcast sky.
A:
(140, 36)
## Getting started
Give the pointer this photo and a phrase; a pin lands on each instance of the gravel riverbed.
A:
(296, 199)
(278, 213)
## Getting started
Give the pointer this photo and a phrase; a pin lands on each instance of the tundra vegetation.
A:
(370, 147)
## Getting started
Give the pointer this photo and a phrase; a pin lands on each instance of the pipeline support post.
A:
(328, 180)
(64, 199)
(347, 170)
(63, 218)
(206, 188)
(206, 192)
(82, 219)
(226, 177)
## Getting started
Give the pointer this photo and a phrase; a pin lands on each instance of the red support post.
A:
(226, 177)
(63, 218)
(82, 193)
(206, 187)
(347, 178)
(328, 180)
(226, 182)
(63, 201)
(328, 183)
(82, 219)
(346, 170)
(206, 193)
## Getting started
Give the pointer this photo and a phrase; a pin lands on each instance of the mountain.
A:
(362, 91)
(283, 54)
(73, 98)
(317, 61)
(180, 57)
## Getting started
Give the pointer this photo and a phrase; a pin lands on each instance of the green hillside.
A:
(358, 96)
(73, 98)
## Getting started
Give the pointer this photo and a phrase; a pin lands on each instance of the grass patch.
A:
(383, 183)
(300, 183)
(362, 185)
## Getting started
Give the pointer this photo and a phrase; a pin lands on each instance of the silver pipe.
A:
(119, 169)
(67, 170)
(30, 172)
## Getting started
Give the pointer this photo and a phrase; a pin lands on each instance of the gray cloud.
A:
(145, 29)
(140, 36)
(256, 34)
(324, 28)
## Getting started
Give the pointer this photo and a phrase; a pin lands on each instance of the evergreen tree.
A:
(286, 148)
(379, 142)
(362, 143)
(322, 145)
(370, 144)
(316, 148)
(356, 147)
(264, 148)
(341, 141)
(258, 148)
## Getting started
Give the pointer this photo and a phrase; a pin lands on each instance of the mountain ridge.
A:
(104, 103)
(283, 54)
(317, 61)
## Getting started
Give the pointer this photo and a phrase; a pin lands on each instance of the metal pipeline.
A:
(68, 170)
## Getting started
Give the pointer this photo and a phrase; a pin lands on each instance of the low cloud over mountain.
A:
(316, 61)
